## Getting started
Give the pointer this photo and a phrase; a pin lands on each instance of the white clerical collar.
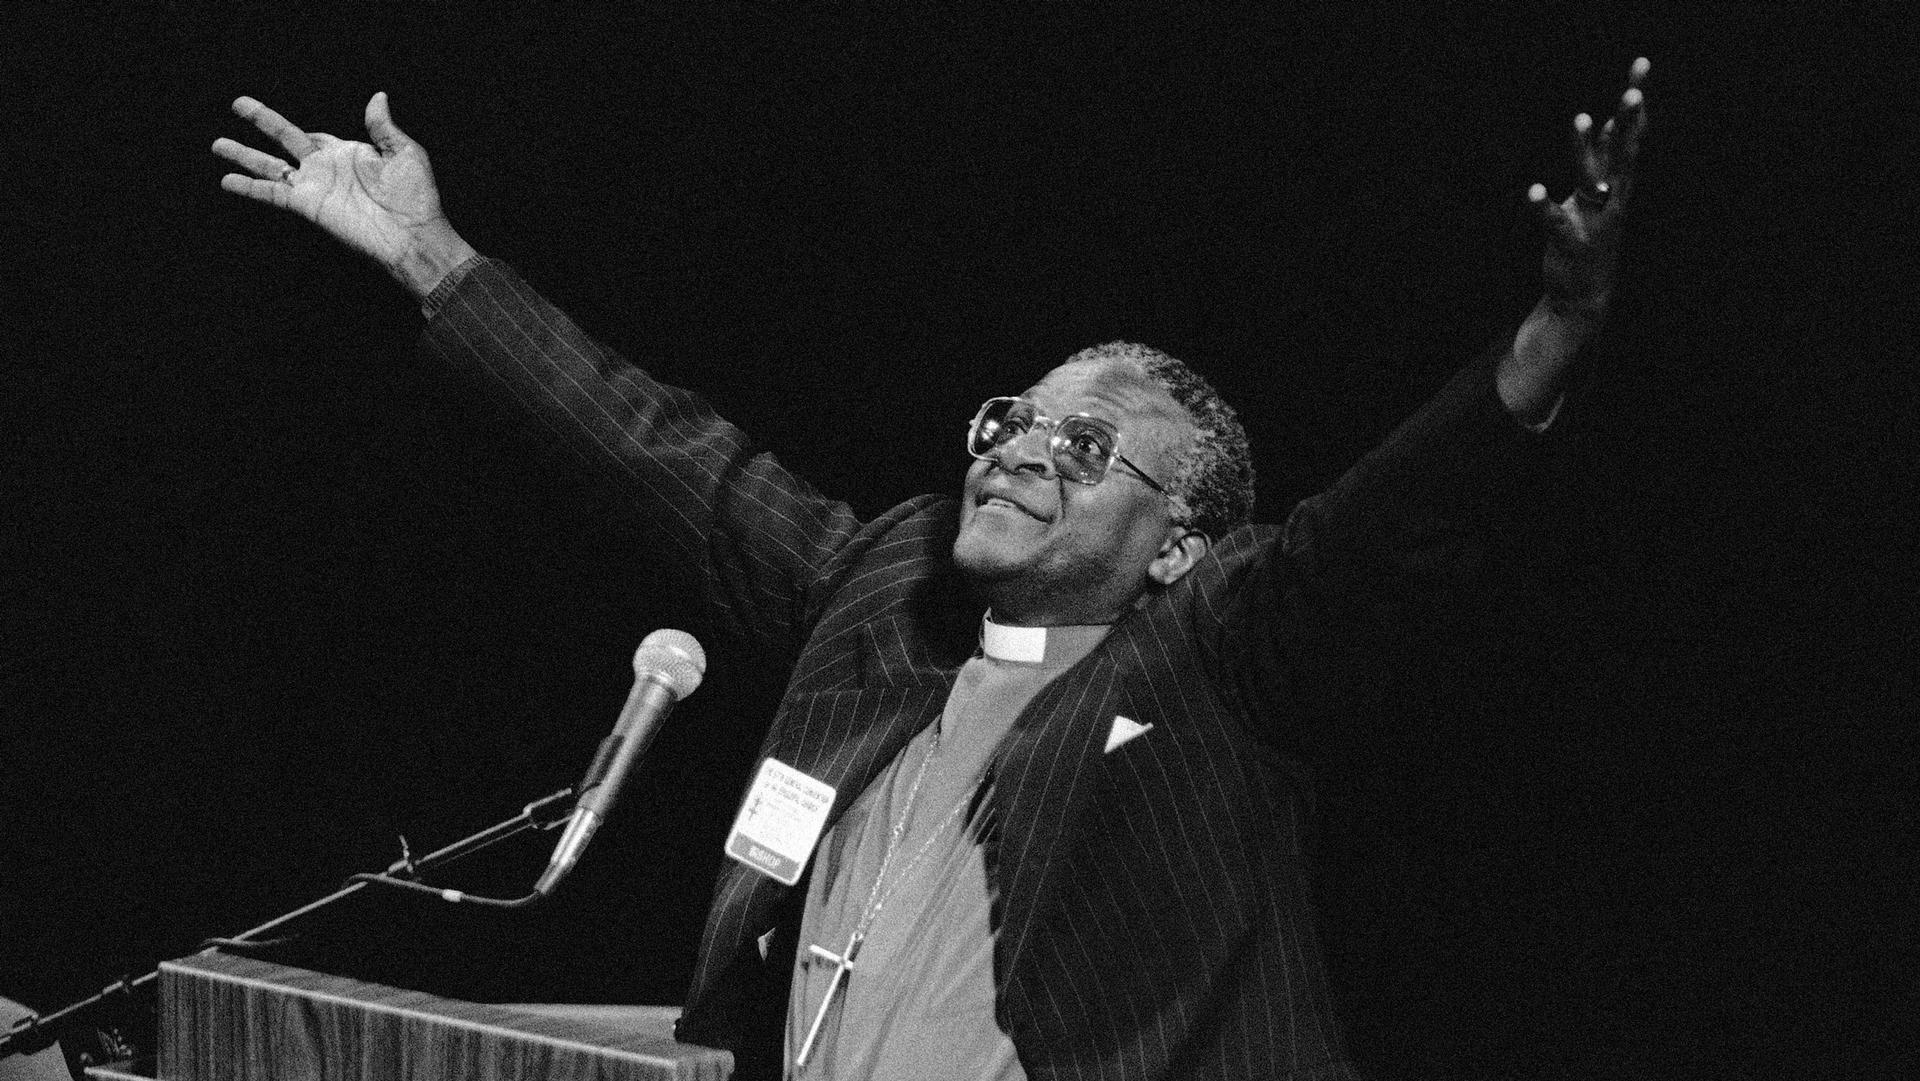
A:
(1028, 645)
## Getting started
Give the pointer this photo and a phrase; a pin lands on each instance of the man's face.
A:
(1050, 551)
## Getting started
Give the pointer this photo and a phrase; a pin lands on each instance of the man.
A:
(1059, 838)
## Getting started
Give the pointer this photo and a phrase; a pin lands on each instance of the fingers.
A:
(1605, 155)
(268, 184)
(1623, 129)
(1564, 227)
(258, 162)
(1589, 150)
(279, 128)
(1630, 121)
(1638, 72)
(266, 191)
(1619, 145)
(380, 126)
(1551, 214)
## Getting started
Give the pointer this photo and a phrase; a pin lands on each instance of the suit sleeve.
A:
(1382, 558)
(758, 539)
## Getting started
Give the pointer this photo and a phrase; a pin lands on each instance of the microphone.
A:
(666, 668)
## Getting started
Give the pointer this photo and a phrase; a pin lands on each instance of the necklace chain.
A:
(876, 900)
(843, 961)
(882, 891)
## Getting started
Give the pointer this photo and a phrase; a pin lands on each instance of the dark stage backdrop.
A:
(277, 592)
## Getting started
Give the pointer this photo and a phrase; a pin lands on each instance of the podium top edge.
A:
(656, 1049)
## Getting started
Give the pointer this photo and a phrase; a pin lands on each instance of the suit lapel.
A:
(844, 737)
(1043, 779)
(1047, 774)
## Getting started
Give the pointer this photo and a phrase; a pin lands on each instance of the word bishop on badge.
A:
(780, 821)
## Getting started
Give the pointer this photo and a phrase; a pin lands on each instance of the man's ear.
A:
(1182, 549)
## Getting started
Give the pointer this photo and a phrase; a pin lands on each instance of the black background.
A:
(277, 591)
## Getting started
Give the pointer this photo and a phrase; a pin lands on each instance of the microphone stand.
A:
(36, 1033)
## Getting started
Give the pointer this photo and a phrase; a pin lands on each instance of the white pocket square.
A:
(1124, 729)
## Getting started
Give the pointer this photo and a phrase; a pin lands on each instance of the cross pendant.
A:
(844, 961)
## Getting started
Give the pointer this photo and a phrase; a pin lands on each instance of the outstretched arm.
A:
(1582, 257)
(755, 537)
(378, 199)
(1383, 555)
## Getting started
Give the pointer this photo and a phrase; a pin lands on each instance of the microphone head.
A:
(673, 656)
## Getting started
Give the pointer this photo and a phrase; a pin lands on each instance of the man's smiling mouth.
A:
(991, 499)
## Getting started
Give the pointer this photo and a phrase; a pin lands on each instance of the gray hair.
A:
(1212, 485)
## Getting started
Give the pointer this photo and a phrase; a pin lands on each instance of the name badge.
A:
(780, 821)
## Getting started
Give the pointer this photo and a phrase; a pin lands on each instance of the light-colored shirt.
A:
(919, 1001)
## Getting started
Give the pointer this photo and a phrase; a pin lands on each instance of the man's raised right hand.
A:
(378, 199)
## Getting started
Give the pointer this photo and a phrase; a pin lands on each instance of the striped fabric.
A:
(1151, 904)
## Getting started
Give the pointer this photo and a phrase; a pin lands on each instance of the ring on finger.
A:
(286, 174)
(1594, 194)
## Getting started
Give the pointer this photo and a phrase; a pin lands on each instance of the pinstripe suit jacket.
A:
(1151, 905)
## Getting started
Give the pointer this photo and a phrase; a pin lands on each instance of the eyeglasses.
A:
(1082, 447)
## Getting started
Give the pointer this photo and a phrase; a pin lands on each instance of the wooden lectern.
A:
(230, 1018)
